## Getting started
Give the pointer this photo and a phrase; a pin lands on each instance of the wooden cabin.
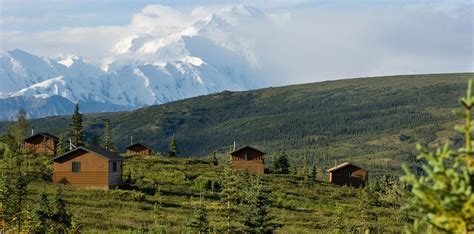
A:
(250, 159)
(41, 143)
(348, 174)
(138, 149)
(90, 166)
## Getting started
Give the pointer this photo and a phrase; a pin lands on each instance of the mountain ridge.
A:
(147, 68)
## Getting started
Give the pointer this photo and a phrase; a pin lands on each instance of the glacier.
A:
(147, 68)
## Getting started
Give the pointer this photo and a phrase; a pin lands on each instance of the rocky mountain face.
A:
(148, 68)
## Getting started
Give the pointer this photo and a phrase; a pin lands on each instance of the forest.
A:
(374, 122)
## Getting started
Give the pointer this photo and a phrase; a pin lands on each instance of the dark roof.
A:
(94, 149)
(246, 147)
(138, 143)
(342, 165)
(44, 134)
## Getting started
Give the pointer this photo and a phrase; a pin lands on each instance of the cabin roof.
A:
(244, 148)
(93, 149)
(138, 143)
(341, 166)
(44, 134)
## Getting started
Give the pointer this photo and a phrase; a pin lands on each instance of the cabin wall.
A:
(139, 151)
(249, 160)
(94, 171)
(256, 167)
(351, 176)
(115, 178)
(41, 145)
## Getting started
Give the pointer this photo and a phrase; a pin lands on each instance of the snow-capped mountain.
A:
(147, 68)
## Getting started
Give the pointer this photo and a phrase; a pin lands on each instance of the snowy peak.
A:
(160, 62)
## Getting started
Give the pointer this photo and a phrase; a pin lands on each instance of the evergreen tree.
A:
(283, 163)
(60, 148)
(229, 193)
(306, 172)
(275, 166)
(173, 148)
(19, 203)
(366, 214)
(199, 222)
(443, 195)
(43, 214)
(257, 218)
(60, 217)
(16, 131)
(76, 128)
(107, 138)
(6, 198)
(213, 158)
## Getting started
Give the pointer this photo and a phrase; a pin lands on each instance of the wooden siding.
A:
(350, 175)
(250, 166)
(41, 145)
(249, 160)
(138, 150)
(94, 171)
(115, 178)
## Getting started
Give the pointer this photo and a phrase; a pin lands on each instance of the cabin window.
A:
(76, 167)
(114, 166)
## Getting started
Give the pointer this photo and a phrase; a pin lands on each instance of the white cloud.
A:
(297, 44)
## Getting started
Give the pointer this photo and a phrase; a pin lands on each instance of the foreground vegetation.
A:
(164, 194)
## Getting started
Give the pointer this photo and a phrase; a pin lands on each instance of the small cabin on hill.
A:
(90, 166)
(41, 143)
(348, 174)
(138, 149)
(249, 159)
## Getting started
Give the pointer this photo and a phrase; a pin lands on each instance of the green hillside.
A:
(166, 194)
(373, 122)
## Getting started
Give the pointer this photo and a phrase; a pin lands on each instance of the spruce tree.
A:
(199, 221)
(283, 163)
(229, 193)
(213, 158)
(443, 195)
(275, 166)
(43, 214)
(19, 202)
(107, 138)
(76, 128)
(60, 148)
(60, 217)
(16, 131)
(173, 147)
(6, 198)
(366, 214)
(257, 218)
(305, 171)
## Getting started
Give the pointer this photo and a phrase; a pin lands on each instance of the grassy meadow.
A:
(163, 196)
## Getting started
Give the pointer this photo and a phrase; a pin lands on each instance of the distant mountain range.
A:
(148, 68)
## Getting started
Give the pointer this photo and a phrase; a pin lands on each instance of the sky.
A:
(307, 41)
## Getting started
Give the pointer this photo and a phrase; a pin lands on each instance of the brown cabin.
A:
(138, 149)
(41, 143)
(90, 166)
(348, 174)
(250, 159)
